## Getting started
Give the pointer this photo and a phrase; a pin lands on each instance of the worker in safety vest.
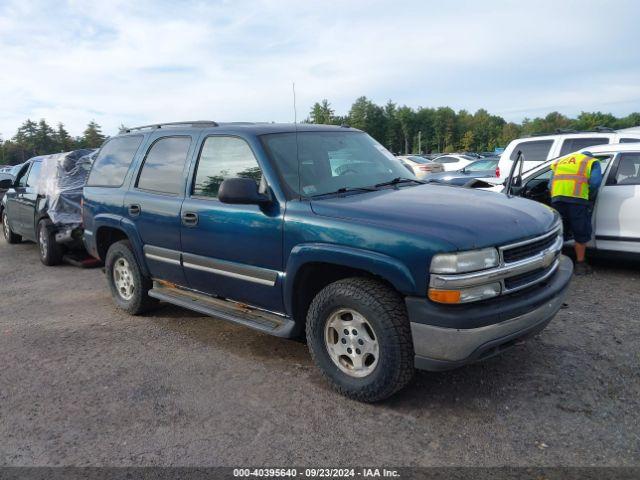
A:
(575, 180)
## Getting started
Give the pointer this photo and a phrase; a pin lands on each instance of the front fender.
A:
(384, 266)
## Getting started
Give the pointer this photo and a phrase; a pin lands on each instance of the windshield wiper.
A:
(398, 180)
(346, 190)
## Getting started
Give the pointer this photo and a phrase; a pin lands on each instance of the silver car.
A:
(420, 166)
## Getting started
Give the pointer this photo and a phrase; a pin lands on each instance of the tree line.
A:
(40, 138)
(425, 130)
(401, 129)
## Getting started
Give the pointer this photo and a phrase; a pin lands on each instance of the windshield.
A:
(330, 161)
(415, 158)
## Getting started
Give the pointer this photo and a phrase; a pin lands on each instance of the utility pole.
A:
(420, 141)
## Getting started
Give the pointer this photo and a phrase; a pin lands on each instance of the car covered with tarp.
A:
(43, 203)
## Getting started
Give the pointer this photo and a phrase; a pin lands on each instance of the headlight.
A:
(464, 295)
(462, 262)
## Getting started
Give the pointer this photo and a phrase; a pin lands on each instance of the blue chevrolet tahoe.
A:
(318, 231)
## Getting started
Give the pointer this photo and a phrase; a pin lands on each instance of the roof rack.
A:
(155, 126)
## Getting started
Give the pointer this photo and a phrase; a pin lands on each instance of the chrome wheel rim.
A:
(351, 343)
(42, 241)
(123, 279)
(5, 225)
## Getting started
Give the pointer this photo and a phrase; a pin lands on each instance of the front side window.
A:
(22, 176)
(113, 161)
(163, 166)
(319, 163)
(628, 172)
(222, 158)
(533, 151)
(34, 174)
(575, 144)
(629, 140)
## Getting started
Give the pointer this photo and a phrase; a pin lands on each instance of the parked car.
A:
(538, 149)
(486, 167)
(420, 166)
(42, 203)
(451, 162)
(252, 223)
(616, 215)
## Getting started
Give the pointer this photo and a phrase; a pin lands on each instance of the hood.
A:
(465, 218)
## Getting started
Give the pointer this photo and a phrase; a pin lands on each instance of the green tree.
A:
(92, 136)
(63, 140)
(467, 141)
(368, 116)
(321, 113)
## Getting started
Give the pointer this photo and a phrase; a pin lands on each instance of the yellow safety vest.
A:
(571, 175)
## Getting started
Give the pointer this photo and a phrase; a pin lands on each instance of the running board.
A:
(227, 310)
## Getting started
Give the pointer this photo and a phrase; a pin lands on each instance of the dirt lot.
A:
(84, 384)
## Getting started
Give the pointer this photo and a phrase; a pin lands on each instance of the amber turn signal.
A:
(444, 296)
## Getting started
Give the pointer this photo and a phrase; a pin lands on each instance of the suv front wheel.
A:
(359, 336)
(129, 287)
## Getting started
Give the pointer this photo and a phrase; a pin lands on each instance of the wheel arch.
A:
(312, 267)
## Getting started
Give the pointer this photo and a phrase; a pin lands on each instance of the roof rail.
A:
(189, 123)
(600, 128)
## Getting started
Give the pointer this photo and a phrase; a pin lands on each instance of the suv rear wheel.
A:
(50, 250)
(359, 335)
(129, 287)
(9, 236)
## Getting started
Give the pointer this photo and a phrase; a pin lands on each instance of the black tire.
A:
(50, 251)
(385, 311)
(138, 300)
(8, 234)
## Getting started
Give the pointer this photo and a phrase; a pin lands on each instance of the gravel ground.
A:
(84, 384)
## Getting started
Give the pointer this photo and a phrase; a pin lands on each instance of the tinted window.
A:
(629, 140)
(628, 172)
(417, 159)
(34, 174)
(163, 165)
(533, 151)
(113, 161)
(222, 158)
(575, 144)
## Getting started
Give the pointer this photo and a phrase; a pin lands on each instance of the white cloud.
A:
(140, 62)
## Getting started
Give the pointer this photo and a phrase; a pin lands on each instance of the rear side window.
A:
(533, 151)
(112, 164)
(629, 140)
(34, 174)
(575, 144)
(164, 164)
(222, 158)
(628, 172)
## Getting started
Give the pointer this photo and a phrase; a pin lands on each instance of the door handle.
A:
(190, 219)
(134, 210)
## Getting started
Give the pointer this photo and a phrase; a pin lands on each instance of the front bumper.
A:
(446, 337)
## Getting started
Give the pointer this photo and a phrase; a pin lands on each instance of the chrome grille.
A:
(527, 250)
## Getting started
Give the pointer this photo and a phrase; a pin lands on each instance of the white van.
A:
(538, 149)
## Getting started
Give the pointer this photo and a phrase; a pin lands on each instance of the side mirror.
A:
(241, 191)
(6, 184)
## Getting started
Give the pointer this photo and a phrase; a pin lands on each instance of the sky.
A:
(139, 62)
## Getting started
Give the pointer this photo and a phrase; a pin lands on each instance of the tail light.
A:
(425, 168)
(498, 171)
(82, 211)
